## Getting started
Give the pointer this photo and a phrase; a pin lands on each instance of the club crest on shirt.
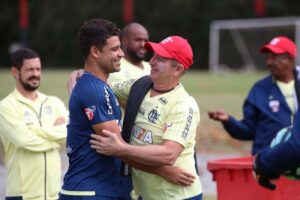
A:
(274, 105)
(153, 116)
(90, 112)
(48, 110)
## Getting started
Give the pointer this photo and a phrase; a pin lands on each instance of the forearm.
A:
(151, 155)
(238, 129)
(53, 133)
(157, 170)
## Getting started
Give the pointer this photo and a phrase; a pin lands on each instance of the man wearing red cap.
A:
(271, 103)
(163, 132)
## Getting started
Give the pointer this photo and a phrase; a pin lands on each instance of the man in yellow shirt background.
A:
(133, 39)
(32, 127)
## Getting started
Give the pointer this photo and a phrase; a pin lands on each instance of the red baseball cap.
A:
(174, 47)
(279, 45)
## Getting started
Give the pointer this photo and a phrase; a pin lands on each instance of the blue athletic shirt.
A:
(92, 101)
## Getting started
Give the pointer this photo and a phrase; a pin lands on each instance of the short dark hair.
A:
(94, 32)
(17, 57)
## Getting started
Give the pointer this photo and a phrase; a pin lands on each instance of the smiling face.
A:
(28, 77)
(110, 55)
(164, 70)
(134, 41)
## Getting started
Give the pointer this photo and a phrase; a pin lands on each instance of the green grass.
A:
(226, 91)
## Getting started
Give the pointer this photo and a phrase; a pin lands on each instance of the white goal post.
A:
(235, 27)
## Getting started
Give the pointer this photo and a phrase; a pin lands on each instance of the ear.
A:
(15, 72)
(179, 70)
(94, 52)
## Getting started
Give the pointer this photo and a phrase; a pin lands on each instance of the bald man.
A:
(133, 38)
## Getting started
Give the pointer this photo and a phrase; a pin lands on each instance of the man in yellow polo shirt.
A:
(165, 127)
(32, 126)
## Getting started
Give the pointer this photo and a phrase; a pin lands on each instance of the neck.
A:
(286, 79)
(164, 89)
(96, 71)
(32, 95)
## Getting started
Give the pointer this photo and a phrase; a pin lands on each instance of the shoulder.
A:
(184, 101)
(8, 100)
(264, 83)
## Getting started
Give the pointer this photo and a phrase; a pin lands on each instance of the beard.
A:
(27, 85)
(135, 55)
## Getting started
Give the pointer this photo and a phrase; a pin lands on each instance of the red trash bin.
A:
(235, 181)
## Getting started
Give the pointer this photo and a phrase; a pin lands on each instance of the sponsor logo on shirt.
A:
(153, 116)
(142, 134)
(28, 118)
(168, 125)
(142, 111)
(188, 124)
(90, 112)
(163, 100)
(68, 149)
(106, 95)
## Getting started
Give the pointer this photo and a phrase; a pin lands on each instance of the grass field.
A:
(226, 91)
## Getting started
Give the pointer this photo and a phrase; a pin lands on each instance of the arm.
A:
(20, 135)
(243, 129)
(172, 174)
(73, 78)
(154, 155)
(57, 131)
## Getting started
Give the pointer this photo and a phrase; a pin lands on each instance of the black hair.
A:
(17, 57)
(95, 32)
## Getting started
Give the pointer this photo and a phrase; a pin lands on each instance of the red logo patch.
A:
(90, 112)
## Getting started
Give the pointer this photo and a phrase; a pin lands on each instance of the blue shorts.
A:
(70, 197)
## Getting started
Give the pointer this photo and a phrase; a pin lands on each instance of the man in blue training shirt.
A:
(93, 107)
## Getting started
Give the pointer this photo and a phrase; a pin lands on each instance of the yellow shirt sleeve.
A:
(14, 130)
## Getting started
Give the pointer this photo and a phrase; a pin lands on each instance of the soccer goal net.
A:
(235, 44)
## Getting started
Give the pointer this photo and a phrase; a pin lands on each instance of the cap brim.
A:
(273, 49)
(158, 49)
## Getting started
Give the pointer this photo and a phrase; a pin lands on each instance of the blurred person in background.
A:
(32, 127)
(272, 102)
(133, 39)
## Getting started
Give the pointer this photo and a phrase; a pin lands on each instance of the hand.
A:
(74, 76)
(108, 143)
(177, 176)
(59, 121)
(218, 115)
(264, 179)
